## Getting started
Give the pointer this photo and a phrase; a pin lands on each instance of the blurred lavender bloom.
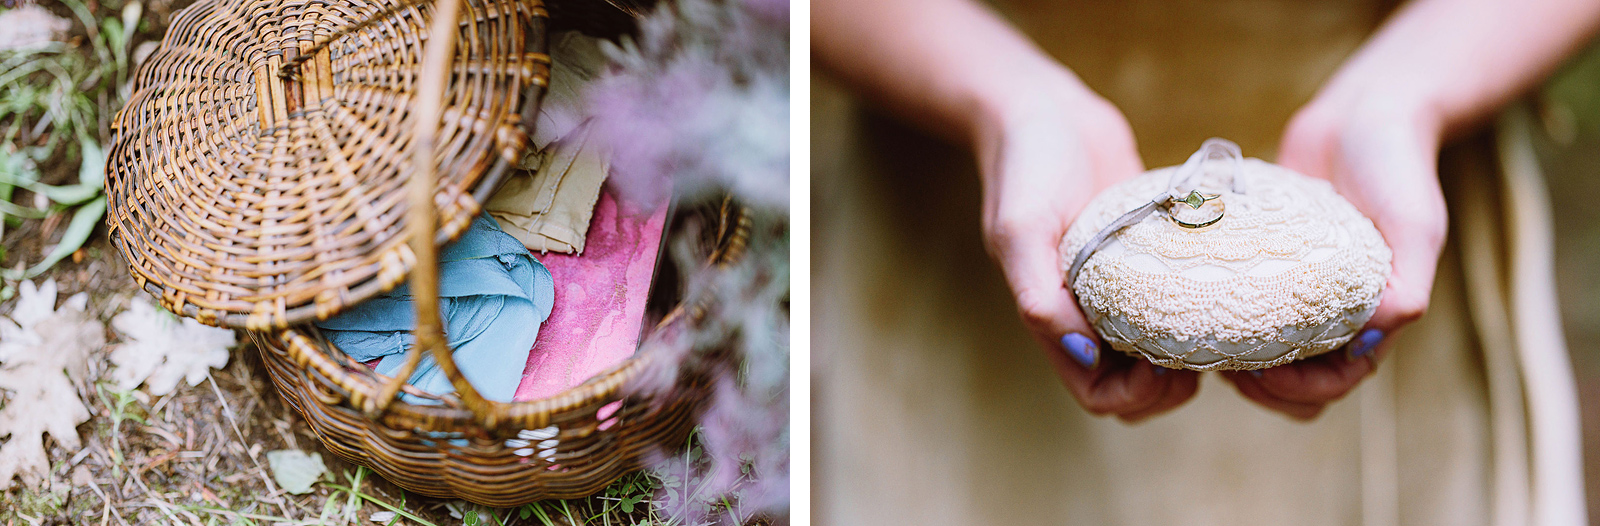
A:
(744, 429)
(772, 9)
(698, 104)
(700, 98)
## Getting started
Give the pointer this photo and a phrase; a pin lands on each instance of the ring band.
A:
(1181, 223)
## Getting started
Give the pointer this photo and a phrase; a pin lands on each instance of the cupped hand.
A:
(1380, 151)
(1043, 156)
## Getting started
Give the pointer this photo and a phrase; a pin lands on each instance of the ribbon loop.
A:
(1184, 180)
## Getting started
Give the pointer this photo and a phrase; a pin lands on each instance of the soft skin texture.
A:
(1435, 69)
(1046, 144)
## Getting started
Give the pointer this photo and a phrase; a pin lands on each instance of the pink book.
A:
(600, 297)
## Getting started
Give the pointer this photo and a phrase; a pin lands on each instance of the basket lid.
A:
(256, 177)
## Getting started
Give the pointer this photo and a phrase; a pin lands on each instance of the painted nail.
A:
(1081, 348)
(1160, 370)
(1255, 372)
(1365, 343)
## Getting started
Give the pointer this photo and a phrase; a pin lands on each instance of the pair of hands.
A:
(1044, 156)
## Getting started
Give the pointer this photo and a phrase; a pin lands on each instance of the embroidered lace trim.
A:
(1291, 271)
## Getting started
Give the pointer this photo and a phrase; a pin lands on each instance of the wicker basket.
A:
(566, 446)
(256, 175)
(276, 165)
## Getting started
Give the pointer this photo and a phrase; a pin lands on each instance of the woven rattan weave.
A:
(251, 194)
(567, 446)
(278, 162)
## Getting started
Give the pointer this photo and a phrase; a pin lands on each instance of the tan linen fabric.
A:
(547, 206)
(934, 406)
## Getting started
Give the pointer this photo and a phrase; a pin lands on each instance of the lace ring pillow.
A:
(1224, 263)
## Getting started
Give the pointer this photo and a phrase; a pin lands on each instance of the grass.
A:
(56, 105)
(118, 405)
(625, 503)
(190, 458)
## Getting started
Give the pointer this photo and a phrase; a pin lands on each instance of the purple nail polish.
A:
(1365, 343)
(1081, 348)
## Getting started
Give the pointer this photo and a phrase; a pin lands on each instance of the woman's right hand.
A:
(1046, 146)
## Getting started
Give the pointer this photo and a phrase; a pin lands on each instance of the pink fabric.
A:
(600, 297)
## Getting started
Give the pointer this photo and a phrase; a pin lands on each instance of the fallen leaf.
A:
(44, 354)
(294, 470)
(159, 349)
(30, 26)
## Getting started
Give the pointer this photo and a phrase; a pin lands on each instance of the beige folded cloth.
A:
(547, 204)
(548, 209)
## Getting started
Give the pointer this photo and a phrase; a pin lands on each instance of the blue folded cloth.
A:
(493, 296)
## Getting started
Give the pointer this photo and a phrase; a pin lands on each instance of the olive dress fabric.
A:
(933, 405)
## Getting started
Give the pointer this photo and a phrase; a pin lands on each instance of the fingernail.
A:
(1365, 343)
(1255, 372)
(1160, 370)
(1081, 348)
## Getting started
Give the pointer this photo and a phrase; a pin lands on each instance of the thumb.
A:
(1406, 295)
(1409, 212)
(1386, 165)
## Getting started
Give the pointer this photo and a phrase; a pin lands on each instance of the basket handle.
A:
(422, 222)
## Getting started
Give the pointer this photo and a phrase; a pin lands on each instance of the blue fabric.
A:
(493, 296)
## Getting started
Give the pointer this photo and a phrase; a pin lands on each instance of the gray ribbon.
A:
(1182, 181)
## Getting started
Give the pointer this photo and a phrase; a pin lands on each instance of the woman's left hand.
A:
(1380, 151)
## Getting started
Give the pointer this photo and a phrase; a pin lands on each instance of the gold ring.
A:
(1196, 200)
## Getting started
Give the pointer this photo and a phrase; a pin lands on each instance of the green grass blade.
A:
(397, 510)
(92, 172)
(66, 195)
(11, 209)
(83, 222)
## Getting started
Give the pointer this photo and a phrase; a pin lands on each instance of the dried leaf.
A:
(159, 349)
(30, 26)
(44, 354)
(294, 470)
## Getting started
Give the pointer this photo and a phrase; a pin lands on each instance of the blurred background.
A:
(1569, 151)
(1567, 141)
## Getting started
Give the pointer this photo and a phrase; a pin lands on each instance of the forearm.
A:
(1457, 61)
(947, 65)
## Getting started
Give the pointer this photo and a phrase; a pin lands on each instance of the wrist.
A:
(1049, 105)
(1048, 91)
(1346, 107)
(1389, 80)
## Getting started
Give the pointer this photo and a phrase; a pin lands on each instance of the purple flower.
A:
(698, 105)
